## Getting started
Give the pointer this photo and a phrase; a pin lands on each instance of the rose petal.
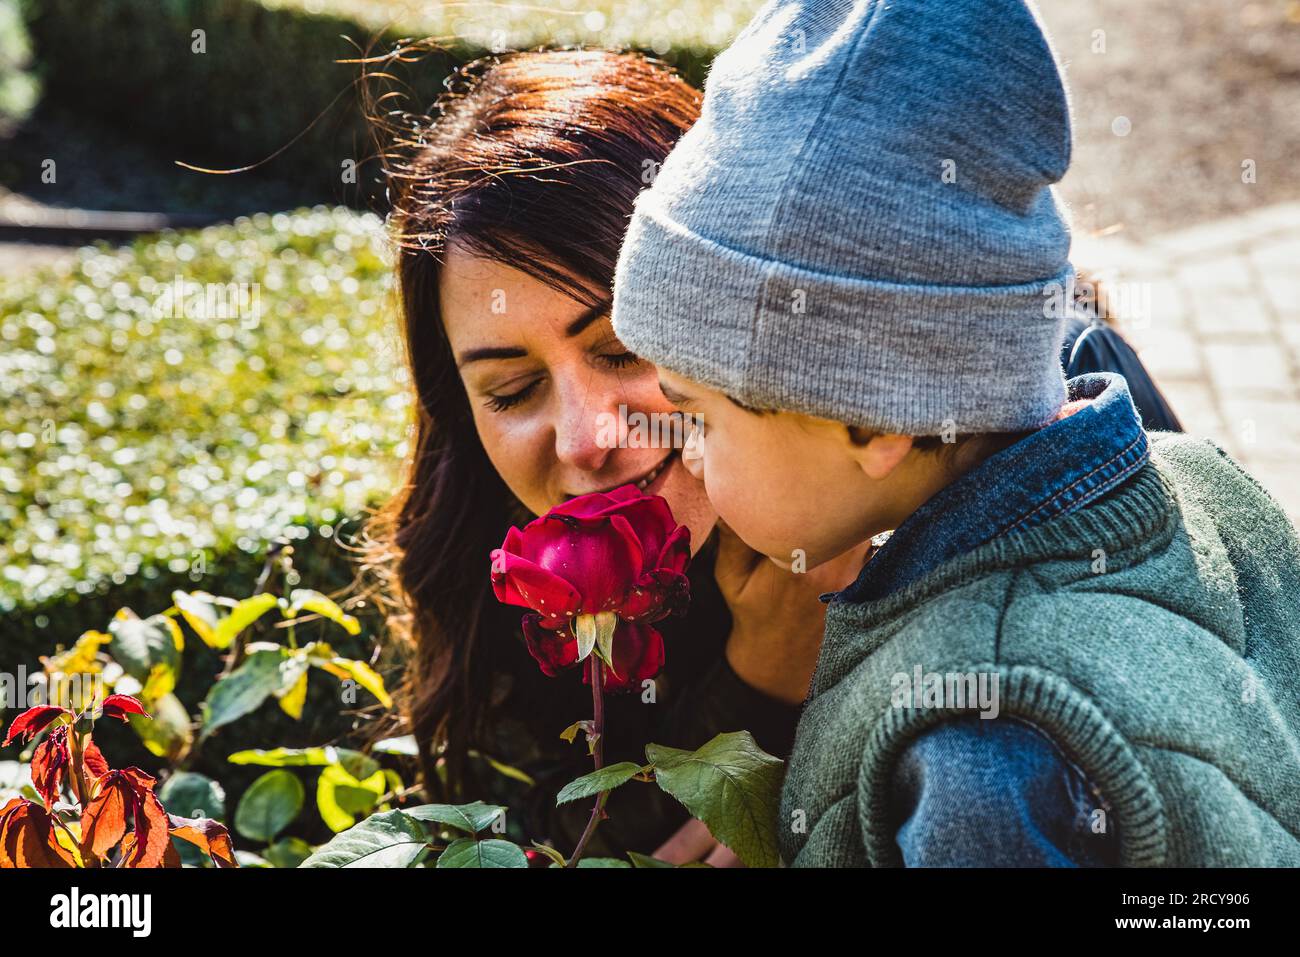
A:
(656, 595)
(518, 581)
(553, 651)
(638, 656)
(676, 553)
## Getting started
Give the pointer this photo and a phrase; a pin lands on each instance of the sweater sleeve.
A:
(995, 793)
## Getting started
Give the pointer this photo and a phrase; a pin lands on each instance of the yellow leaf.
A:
(291, 701)
(304, 599)
(199, 614)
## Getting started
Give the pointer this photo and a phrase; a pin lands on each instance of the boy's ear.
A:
(878, 453)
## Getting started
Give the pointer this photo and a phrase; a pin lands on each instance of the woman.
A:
(509, 210)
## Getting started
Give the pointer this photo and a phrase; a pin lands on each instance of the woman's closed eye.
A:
(500, 402)
(619, 360)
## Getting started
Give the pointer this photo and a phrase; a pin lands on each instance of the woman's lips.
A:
(656, 473)
(645, 481)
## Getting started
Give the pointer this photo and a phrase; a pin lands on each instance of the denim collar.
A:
(1061, 467)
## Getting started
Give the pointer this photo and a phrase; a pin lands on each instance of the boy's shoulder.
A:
(1204, 471)
(1182, 543)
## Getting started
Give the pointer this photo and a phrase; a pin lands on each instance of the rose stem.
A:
(597, 755)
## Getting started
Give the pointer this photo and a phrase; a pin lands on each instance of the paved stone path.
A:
(1221, 335)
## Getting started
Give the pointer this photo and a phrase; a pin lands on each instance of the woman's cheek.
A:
(516, 447)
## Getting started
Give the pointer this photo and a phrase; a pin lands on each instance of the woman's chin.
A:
(686, 497)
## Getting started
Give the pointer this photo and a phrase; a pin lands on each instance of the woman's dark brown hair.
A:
(532, 160)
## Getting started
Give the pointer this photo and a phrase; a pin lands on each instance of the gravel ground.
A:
(1204, 85)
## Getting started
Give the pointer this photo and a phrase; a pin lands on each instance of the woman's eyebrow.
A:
(490, 352)
(586, 319)
(516, 352)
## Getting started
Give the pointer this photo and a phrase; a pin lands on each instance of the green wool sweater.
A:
(1171, 677)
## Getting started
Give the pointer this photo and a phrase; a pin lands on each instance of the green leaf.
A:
(354, 762)
(240, 617)
(388, 839)
(556, 857)
(287, 853)
(733, 786)
(141, 644)
(269, 804)
(503, 769)
(340, 797)
(602, 862)
(606, 779)
(294, 697)
(304, 599)
(322, 656)
(242, 691)
(645, 860)
(189, 794)
(470, 818)
(606, 624)
(468, 852)
(584, 630)
(169, 732)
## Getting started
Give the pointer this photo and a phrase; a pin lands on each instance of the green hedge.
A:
(268, 71)
(145, 447)
(18, 86)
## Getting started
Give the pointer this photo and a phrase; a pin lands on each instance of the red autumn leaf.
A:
(206, 834)
(171, 857)
(50, 762)
(96, 765)
(152, 834)
(27, 837)
(120, 705)
(103, 824)
(33, 721)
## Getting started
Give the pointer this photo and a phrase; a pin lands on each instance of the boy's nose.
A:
(693, 449)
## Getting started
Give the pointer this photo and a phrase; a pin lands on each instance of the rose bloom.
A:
(597, 572)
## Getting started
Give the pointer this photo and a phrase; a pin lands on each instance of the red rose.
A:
(597, 571)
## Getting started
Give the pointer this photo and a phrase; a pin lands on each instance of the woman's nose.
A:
(586, 431)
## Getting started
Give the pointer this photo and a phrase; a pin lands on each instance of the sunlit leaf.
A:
(304, 599)
(387, 839)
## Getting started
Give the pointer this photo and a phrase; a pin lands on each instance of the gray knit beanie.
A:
(861, 225)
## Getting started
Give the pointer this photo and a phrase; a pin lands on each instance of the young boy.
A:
(1081, 643)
